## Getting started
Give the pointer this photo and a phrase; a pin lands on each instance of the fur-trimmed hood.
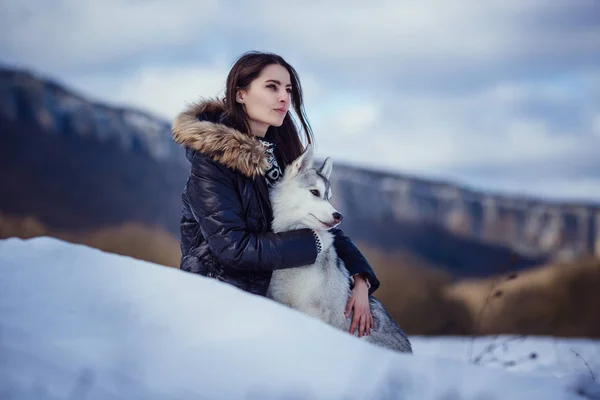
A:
(220, 142)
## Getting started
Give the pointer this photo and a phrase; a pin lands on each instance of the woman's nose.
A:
(284, 97)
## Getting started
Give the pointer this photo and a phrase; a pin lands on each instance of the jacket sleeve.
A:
(355, 261)
(216, 205)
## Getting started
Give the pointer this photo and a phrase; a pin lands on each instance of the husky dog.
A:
(300, 199)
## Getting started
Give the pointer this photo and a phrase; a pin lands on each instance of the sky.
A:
(502, 95)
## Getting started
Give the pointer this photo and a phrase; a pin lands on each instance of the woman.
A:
(238, 148)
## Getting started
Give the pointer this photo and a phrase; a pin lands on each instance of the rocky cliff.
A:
(529, 226)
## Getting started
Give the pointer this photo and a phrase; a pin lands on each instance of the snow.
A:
(76, 322)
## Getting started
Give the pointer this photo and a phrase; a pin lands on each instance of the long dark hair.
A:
(287, 138)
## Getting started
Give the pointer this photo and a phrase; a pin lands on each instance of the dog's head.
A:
(301, 198)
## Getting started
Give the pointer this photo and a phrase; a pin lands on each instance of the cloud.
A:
(70, 34)
(417, 46)
(165, 89)
(596, 127)
(350, 38)
(499, 94)
(161, 90)
(531, 137)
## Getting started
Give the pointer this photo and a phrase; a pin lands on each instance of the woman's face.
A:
(267, 99)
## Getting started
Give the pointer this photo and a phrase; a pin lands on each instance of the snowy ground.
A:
(78, 323)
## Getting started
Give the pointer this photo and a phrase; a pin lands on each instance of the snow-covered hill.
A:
(79, 323)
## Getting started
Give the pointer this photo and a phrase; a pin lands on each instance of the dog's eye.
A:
(316, 192)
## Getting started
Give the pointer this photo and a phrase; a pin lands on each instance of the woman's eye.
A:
(315, 192)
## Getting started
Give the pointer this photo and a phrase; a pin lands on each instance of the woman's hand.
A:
(359, 301)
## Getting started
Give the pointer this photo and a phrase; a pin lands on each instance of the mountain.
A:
(442, 220)
(78, 165)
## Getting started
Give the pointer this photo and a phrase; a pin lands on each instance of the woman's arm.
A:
(364, 281)
(216, 206)
(355, 261)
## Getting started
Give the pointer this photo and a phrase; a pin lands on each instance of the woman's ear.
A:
(239, 96)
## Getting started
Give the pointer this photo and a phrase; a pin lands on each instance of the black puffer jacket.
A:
(226, 219)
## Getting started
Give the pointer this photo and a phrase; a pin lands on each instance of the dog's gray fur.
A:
(323, 288)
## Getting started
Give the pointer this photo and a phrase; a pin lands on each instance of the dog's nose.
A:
(337, 216)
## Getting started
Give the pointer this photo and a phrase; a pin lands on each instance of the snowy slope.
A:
(78, 323)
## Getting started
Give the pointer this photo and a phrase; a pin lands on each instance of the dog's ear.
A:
(302, 163)
(326, 168)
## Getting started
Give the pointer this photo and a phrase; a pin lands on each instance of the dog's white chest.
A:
(296, 286)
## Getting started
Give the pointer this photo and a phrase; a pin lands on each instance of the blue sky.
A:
(497, 95)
